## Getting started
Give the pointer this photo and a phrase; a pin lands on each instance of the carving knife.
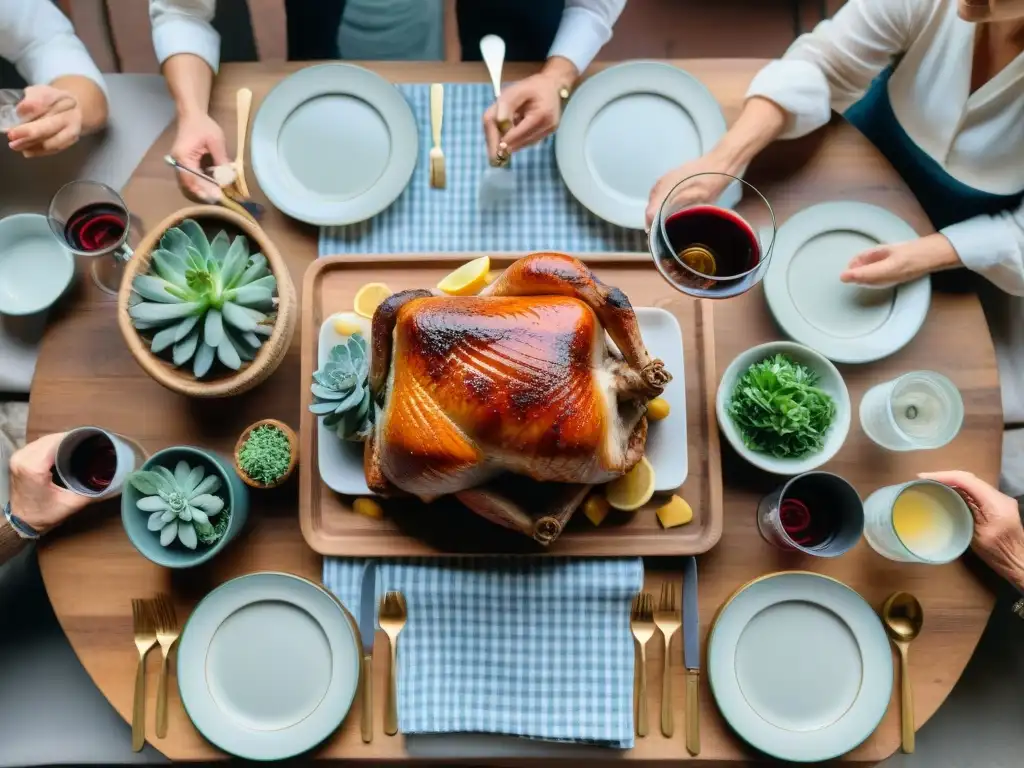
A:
(691, 654)
(367, 629)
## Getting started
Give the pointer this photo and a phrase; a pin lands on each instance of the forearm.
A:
(190, 80)
(10, 542)
(759, 124)
(91, 100)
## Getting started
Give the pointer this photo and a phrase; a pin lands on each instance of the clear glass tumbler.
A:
(9, 100)
(917, 411)
(918, 522)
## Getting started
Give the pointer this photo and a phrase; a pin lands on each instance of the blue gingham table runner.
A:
(530, 647)
(543, 215)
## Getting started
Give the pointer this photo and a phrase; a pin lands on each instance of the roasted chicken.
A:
(520, 379)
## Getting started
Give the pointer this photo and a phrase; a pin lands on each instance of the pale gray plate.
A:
(334, 144)
(268, 666)
(341, 461)
(800, 666)
(35, 269)
(846, 323)
(626, 127)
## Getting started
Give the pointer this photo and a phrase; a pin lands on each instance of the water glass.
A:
(921, 521)
(94, 462)
(708, 251)
(91, 219)
(816, 513)
(917, 411)
(9, 100)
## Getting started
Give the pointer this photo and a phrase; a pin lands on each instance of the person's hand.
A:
(532, 106)
(51, 122)
(887, 265)
(998, 532)
(199, 135)
(703, 189)
(34, 497)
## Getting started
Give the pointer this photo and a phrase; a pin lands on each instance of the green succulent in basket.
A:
(342, 390)
(204, 299)
(182, 505)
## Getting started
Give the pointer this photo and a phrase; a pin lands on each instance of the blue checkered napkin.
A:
(524, 646)
(543, 215)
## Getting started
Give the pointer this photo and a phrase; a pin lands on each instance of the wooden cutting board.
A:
(446, 527)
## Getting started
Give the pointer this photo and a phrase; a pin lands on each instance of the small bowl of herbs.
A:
(784, 407)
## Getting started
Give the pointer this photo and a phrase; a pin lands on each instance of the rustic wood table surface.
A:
(86, 375)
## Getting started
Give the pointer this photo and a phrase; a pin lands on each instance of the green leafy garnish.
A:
(779, 410)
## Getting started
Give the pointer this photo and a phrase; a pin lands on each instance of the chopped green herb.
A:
(266, 454)
(780, 410)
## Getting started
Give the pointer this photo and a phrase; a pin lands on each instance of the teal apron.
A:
(944, 199)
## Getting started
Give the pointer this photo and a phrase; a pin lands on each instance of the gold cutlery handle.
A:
(693, 711)
(391, 713)
(243, 105)
(641, 698)
(668, 725)
(161, 700)
(367, 720)
(907, 701)
(436, 111)
(139, 706)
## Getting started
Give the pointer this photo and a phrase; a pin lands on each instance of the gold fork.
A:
(438, 179)
(167, 633)
(642, 624)
(243, 105)
(668, 620)
(392, 618)
(145, 639)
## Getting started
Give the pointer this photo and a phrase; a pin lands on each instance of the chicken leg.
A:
(556, 274)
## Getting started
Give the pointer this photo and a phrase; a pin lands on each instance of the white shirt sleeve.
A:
(585, 28)
(831, 67)
(993, 246)
(183, 26)
(41, 43)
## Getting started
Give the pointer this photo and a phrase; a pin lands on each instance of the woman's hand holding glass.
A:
(51, 121)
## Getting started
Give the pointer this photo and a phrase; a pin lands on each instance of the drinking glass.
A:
(917, 411)
(816, 513)
(9, 100)
(707, 251)
(92, 220)
(918, 522)
(94, 462)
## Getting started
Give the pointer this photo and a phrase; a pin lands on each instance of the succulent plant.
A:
(182, 504)
(266, 454)
(204, 299)
(342, 391)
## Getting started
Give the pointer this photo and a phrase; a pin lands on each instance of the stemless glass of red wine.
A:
(707, 251)
(91, 219)
(94, 462)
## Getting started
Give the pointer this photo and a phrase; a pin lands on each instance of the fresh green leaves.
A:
(780, 410)
(217, 281)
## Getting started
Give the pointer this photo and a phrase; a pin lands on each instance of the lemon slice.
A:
(467, 280)
(349, 324)
(369, 297)
(633, 489)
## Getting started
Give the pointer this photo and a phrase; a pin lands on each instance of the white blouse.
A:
(977, 138)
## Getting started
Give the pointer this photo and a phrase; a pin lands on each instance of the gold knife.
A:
(691, 654)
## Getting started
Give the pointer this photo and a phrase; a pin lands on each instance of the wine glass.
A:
(9, 100)
(707, 251)
(91, 219)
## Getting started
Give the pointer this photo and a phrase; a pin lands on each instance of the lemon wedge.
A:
(467, 280)
(657, 409)
(349, 324)
(675, 512)
(368, 507)
(596, 509)
(369, 297)
(633, 489)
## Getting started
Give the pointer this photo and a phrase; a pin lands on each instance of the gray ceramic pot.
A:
(233, 490)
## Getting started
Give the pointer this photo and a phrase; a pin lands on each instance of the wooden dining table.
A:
(85, 375)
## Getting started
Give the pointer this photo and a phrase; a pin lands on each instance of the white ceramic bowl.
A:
(35, 269)
(831, 381)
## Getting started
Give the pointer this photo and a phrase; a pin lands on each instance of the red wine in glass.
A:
(710, 249)
(94, 462)
(96, 227)
(809, 525)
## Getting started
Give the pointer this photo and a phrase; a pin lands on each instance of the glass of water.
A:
(917, 411)
(9, 100)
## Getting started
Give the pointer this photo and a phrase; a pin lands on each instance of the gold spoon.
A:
(903, 619)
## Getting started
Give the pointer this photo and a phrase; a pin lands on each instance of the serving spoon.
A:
(903, 618)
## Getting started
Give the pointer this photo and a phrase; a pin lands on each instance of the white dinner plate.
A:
(341, 461)
(268, 666)
(627, 126)
(800, 666)
(334, 144)
(846, 323)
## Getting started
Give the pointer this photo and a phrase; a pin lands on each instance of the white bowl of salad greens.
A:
(784, 407)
